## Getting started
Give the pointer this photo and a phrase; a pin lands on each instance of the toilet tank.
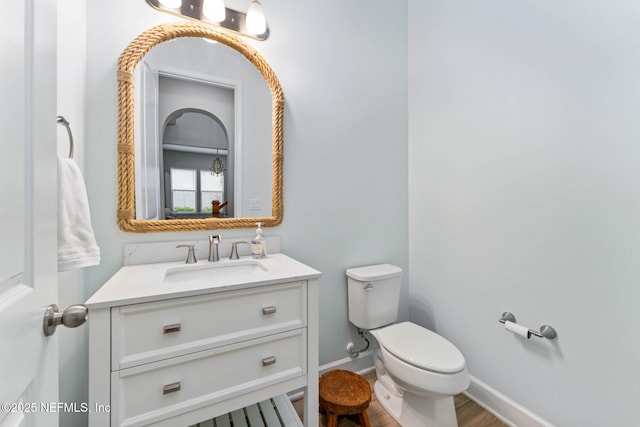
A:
(374, 295)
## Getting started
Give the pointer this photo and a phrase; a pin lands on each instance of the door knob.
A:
(74, 315)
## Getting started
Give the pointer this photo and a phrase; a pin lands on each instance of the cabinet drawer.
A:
(156, 391)
(149, 332)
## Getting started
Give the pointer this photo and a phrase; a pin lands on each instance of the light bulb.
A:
(173, 4)
(256, 23)
(214, 10)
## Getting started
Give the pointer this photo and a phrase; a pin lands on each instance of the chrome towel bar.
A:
(546, 331)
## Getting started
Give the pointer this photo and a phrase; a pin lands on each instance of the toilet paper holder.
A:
(546, 331)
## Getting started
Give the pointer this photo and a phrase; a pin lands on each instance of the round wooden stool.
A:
(344, 393)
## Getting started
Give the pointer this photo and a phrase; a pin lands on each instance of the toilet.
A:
(418, 371)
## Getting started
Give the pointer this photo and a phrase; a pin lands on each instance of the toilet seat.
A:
(421, 348)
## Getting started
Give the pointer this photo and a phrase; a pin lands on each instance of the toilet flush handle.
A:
(368, 287)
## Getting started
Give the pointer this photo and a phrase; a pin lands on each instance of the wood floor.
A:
(469, 413)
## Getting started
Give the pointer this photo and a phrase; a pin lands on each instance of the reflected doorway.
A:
(195, 157)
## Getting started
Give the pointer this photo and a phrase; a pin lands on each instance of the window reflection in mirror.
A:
(195, 147)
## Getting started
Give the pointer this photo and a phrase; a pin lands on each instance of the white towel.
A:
(77, 247)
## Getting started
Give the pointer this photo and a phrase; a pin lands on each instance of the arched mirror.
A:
(200, 132)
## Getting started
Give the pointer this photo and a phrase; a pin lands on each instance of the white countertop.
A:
(141, 283)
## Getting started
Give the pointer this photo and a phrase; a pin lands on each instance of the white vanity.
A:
(175, 344)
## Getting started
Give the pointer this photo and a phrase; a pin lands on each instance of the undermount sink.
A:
(215, 271)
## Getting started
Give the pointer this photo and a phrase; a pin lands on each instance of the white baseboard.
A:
(502, 407)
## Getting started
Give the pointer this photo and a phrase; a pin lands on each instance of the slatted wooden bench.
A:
(275, 412)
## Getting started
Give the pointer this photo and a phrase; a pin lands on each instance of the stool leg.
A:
(333, 420)
(364, 419)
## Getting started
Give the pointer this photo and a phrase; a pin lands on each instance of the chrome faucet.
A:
(234, 249)
(191, 256)
(213, 247)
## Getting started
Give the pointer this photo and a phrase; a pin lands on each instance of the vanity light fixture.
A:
(214, 12)
(256, 22)
(172, 4)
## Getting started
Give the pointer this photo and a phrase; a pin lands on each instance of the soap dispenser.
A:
(259, 243)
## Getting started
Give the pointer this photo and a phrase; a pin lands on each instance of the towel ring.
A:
(62, 121)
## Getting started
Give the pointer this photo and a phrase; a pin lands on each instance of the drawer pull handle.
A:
(269, 310)
(171, 328)
(268, 361)
(170, 388)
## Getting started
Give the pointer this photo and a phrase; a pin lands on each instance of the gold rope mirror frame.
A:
(128, 60)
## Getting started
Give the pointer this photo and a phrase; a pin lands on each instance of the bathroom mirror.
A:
(194, 127)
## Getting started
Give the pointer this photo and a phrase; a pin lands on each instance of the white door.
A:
(28, 264)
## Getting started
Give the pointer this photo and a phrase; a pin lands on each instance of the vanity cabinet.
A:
(176, 354)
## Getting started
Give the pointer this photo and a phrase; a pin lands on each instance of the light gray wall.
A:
(524, 171)
(73, 357)
(343, 69)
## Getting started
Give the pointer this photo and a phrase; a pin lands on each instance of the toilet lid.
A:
(421, 347)
(374, 272)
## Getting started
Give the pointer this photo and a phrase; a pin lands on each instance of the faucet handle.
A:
(214, 241)
(191, 256)
(234, 249)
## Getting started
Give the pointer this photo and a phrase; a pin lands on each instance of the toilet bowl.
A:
(418, 371)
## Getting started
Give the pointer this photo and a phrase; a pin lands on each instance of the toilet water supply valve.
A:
(351, 347)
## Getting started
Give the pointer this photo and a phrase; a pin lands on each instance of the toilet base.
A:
(411, 410)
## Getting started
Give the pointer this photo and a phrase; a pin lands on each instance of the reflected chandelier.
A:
(217, 167)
